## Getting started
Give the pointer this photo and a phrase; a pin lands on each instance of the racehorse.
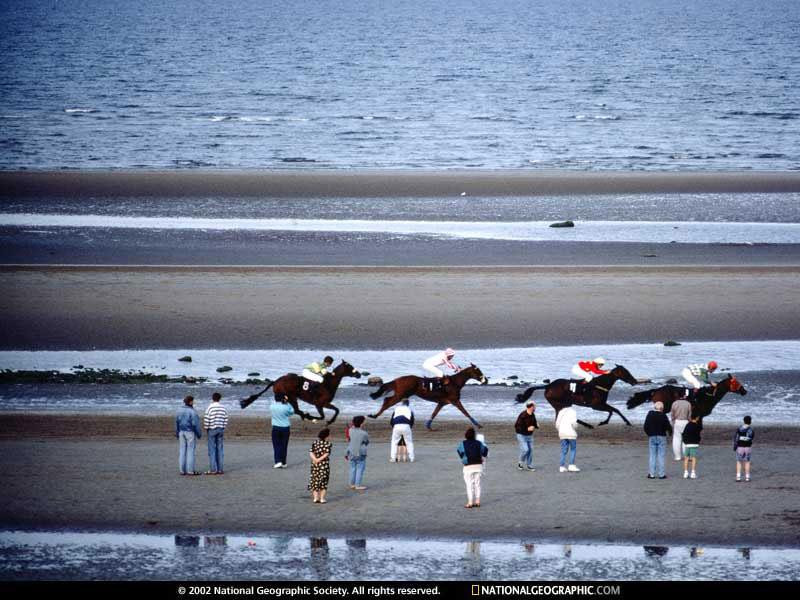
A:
(593, 394)
(702, 404)
(411, 385)
(320, 395)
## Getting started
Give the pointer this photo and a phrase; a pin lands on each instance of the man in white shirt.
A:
(402, 422)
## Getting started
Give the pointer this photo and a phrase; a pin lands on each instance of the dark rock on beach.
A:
(224, 369)
(671, 343)
(563, 224)
(374, 381)
(185, 359)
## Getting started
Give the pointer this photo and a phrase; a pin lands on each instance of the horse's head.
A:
(345, 369)
(735, 386)
(621, 372)
(474, 372)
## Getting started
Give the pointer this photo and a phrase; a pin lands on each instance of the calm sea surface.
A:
(588, 84)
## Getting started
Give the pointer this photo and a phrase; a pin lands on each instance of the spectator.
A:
(566, 421)
(472, 453)
(680, 413)
(526, 423)
(656, 426)
(320, 454)
(214, 422)
(281, 410)
(742, 444)
(691, 442)
(187, 430)
(402, 421)
(357, 453)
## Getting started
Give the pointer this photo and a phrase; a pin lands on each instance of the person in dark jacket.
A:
(657, 427)
(526, 423)
(742, 444)
(472, 453)
(691, 442)
(187, 430)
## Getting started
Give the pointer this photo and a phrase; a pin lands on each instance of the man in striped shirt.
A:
(215, 421)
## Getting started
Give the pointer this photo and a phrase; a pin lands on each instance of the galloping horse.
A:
(411, 385)
(704, 402)
(593, 394)
(320, 395)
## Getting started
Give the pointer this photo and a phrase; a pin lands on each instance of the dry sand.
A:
(393, 308)
(122, 474)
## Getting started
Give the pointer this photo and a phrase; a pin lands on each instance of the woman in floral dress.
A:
(320, 453)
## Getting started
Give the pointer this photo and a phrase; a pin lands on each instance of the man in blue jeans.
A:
(526, 423)
(187, 430)
(657, 427)
(357, 453)
(215, 421)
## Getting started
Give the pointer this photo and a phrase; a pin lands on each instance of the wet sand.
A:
(383, 183)
(120, 473)
(392, 308)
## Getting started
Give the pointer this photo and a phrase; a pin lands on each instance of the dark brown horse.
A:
(320, 395)
(411, 385)
(702, 403)
(593, 394)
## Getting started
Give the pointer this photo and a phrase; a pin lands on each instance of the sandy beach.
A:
(61, 471)
(392, 308)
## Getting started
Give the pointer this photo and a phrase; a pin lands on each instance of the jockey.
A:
(587, 369)
(317, 370)
(442, 358)
(695, 374)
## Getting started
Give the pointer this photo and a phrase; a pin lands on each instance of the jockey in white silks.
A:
(441, 359)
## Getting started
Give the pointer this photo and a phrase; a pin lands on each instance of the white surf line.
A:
(584, 231)
(498, 364)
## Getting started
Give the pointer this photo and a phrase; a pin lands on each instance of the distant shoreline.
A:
(300, 183)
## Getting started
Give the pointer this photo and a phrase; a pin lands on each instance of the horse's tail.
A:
(385, 387)
(529, 392)
(250, 399)
(639, 398)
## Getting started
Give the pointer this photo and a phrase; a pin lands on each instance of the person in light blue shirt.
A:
(187, 430)
(281, 410)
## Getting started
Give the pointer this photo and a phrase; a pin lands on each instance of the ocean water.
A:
(125, 556)
(768, 370)
(589, 84)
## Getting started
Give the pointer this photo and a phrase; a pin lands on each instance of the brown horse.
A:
(593, 394)
(320, 395)
(702, 403)
(411, 385)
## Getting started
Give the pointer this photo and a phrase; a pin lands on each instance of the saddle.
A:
(433, 384)
(578, 387)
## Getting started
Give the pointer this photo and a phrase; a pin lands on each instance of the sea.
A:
(492, 84)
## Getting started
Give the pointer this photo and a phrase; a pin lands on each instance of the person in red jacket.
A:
(589, 369)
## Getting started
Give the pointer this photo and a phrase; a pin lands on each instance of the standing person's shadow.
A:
(357, 555)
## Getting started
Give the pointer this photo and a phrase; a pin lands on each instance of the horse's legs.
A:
(380, 391)
(459, 406)
(387, 402)
(335, 412)
(436, 410)
(619, 412)
(585, 424)
(292, 400)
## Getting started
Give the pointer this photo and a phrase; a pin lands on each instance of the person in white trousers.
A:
(402, 422)
(679, 413)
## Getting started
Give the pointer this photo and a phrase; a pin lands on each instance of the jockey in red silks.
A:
(588, 369)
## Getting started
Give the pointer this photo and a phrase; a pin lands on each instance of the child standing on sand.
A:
(691, 442)
(742, 444)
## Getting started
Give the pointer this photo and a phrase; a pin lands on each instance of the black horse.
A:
(593, 394)
(702, 403)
